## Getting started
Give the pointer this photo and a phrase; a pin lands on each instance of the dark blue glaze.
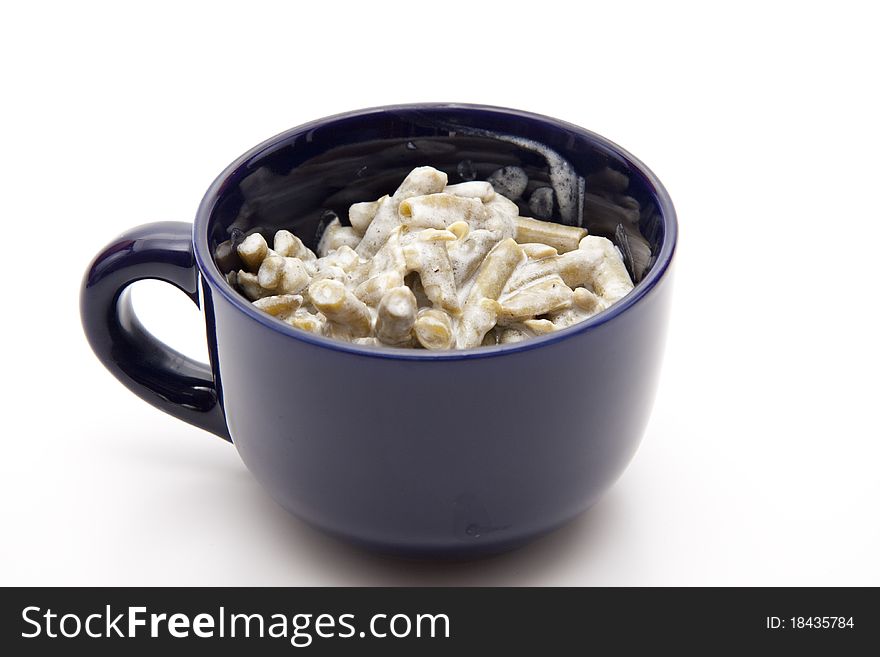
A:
(452, 454)
(167, 379)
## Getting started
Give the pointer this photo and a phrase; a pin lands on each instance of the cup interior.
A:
(305, 177)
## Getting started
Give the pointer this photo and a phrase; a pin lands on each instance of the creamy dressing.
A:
(452, 249)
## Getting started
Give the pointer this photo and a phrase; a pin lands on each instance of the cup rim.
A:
(211, 272)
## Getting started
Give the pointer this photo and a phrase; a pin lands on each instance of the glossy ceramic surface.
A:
(452, 454)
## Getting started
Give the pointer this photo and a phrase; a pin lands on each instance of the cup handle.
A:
(179, 385)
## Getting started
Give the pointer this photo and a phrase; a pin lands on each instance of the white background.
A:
(761, 463)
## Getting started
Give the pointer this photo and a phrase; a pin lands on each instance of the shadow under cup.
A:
(418, 453)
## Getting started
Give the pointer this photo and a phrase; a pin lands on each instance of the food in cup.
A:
(434, 266)
(472, 482)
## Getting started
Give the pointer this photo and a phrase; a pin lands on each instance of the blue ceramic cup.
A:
(431, 454)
